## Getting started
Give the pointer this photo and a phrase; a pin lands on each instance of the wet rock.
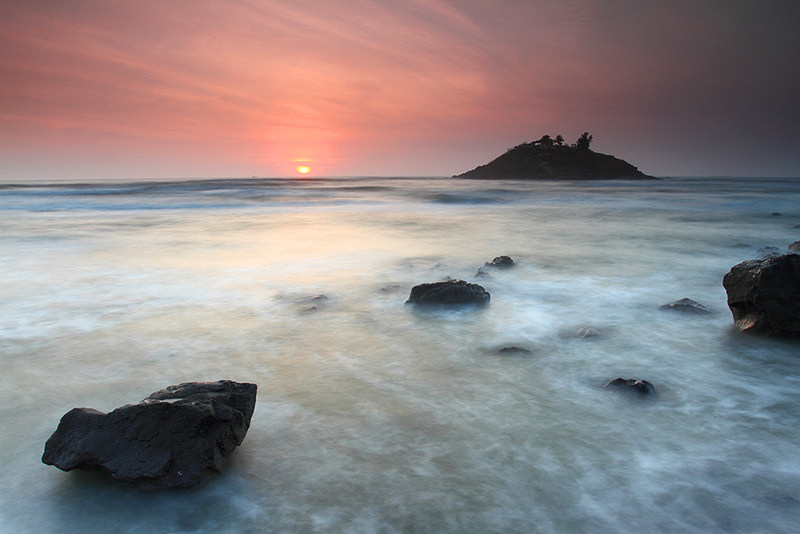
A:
(794, 247)
(169, 439)
(685, 305)
(500, 263)
(764, 295)
(512, 351)
(585, 332)
(631, 385)
(448, 293)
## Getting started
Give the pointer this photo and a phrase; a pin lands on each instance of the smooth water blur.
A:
(374, 417)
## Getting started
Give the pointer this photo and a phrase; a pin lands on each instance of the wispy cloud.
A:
(260, 83)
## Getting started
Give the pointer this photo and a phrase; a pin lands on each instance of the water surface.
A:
(374, 417)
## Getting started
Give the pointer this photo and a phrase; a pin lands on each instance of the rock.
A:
(631, 385)
(500, 262)
(585, 332)
(316, 303)
(686, 306)
(794, 247)
(448, 293)
(764, 295)
(512, 351)
(169, 439)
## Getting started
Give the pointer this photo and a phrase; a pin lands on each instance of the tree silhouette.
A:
(559, 140)
(584, 141)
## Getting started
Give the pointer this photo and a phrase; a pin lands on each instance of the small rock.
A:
(794, 247)
(500, 262)
(512, 351)
(686, 306)
(631, 385)
(448, 293)
(582, 333)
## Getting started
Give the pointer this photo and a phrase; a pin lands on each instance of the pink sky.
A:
(153, 89)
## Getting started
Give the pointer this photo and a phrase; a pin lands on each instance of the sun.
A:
(302, 169)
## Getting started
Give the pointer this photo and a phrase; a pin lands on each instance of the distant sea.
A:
(376, 417)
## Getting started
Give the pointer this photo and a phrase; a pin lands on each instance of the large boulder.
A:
(168, 439)
(764, 295)
(448, 293)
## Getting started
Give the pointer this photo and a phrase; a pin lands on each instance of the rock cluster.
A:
(169, 439)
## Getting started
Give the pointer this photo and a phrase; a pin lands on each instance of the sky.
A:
(107, 89)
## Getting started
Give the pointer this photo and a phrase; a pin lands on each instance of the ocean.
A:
(374, 416)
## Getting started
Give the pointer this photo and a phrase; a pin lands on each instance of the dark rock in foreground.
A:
(686, 306)
(448, 293)
(168, 439)
(500, 262)
(764, 295)
(631, 385)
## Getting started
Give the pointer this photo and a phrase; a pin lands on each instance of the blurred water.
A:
(373, 417)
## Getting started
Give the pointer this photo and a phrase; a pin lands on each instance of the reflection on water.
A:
(374, 417)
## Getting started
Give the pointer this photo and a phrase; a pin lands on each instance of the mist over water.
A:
(375, 417)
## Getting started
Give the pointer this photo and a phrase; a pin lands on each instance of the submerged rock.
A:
(585, 332)
(764, 295)
(448, 293)
(685, 305)
(631, 385)
(169, 439)
(513, 351)
(500, 262)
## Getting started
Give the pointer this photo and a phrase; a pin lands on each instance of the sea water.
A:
(373, 416)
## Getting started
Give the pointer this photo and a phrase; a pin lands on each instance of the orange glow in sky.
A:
(200, 88)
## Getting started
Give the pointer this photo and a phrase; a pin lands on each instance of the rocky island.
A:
(552, 159)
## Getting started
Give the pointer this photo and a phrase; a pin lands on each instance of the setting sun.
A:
(303, 169)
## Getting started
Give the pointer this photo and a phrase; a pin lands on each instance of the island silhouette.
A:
(551, 159)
